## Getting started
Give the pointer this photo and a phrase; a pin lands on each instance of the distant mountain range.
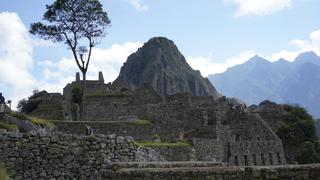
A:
(258, 79)
(160, 64)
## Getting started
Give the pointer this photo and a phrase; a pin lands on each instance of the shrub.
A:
(298, 134)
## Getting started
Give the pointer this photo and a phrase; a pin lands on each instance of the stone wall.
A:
(60, 156)
(252, 153)
(297, 172)
(139, 131)
(174, 153)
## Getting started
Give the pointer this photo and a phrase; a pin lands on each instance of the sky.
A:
(213, 35)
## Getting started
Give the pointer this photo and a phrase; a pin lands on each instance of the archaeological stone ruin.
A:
(165, 123)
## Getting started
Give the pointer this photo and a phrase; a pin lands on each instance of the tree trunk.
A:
(83, 94)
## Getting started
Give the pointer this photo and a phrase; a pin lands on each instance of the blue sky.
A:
(212, 34)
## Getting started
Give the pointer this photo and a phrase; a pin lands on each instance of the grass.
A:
(18, 115)
(3, 173)
(162, 144)
(142, 122)
(35, 120)
(7, 126)
(41, 122)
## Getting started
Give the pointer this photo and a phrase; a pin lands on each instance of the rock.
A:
(56, 173)
(160, 64)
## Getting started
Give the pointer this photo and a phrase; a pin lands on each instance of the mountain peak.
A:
(256, 60)
(160, 64)
(307, 57)
(159, 40)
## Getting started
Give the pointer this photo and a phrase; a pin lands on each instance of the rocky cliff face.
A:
(160, 64)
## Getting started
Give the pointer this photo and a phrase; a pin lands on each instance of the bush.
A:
(298, 134)
(27, 106)
(76, 95)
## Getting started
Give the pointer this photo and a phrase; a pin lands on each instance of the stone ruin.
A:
(221, 130)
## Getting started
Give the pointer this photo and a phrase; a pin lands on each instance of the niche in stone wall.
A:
(279, 158)
(236, 161)
(254, 159)
(237, 137)
(245, 160)
(263, 161)
(270, 159)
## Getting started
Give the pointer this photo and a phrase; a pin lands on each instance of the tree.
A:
(298, 134)
(74, 22)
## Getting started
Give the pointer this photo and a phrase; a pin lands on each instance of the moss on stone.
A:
(3, 173)
(41, 122)
(142, 122)
(18, 115)
(7, 126)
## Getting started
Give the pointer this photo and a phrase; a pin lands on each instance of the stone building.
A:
(221, 130)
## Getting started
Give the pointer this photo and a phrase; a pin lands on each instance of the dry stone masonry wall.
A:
(61, 156)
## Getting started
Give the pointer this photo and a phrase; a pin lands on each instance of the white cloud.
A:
(207, 65)
(311, 44)
(259, 7)
(107, 60)
(138, 5)
(16, 63)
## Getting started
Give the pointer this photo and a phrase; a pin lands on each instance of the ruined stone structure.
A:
(43, 156)
(219, 130)
(60, 156)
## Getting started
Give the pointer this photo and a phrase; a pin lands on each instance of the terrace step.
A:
(180, 164)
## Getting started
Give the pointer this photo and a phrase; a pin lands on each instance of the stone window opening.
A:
(270, 159)
(237, 137)
(263, 161)
(279, 158)
(210, 121)
(267, 138)
(254, 159)
(245, 160)
(236, 161)
(258, 138)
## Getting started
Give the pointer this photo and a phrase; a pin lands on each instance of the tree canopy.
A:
(298, 134)
(74, 22)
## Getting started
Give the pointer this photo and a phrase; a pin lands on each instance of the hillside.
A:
(282, 81)
(160, 64)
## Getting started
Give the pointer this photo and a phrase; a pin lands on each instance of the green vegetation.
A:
(142, 122)
(7, 126)
(76, 95)
(41, 122)
(3, 173)
(318, 127)
(35, 120)
(298, 134)
(32, 103)
(162, 144)
(18, 115)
